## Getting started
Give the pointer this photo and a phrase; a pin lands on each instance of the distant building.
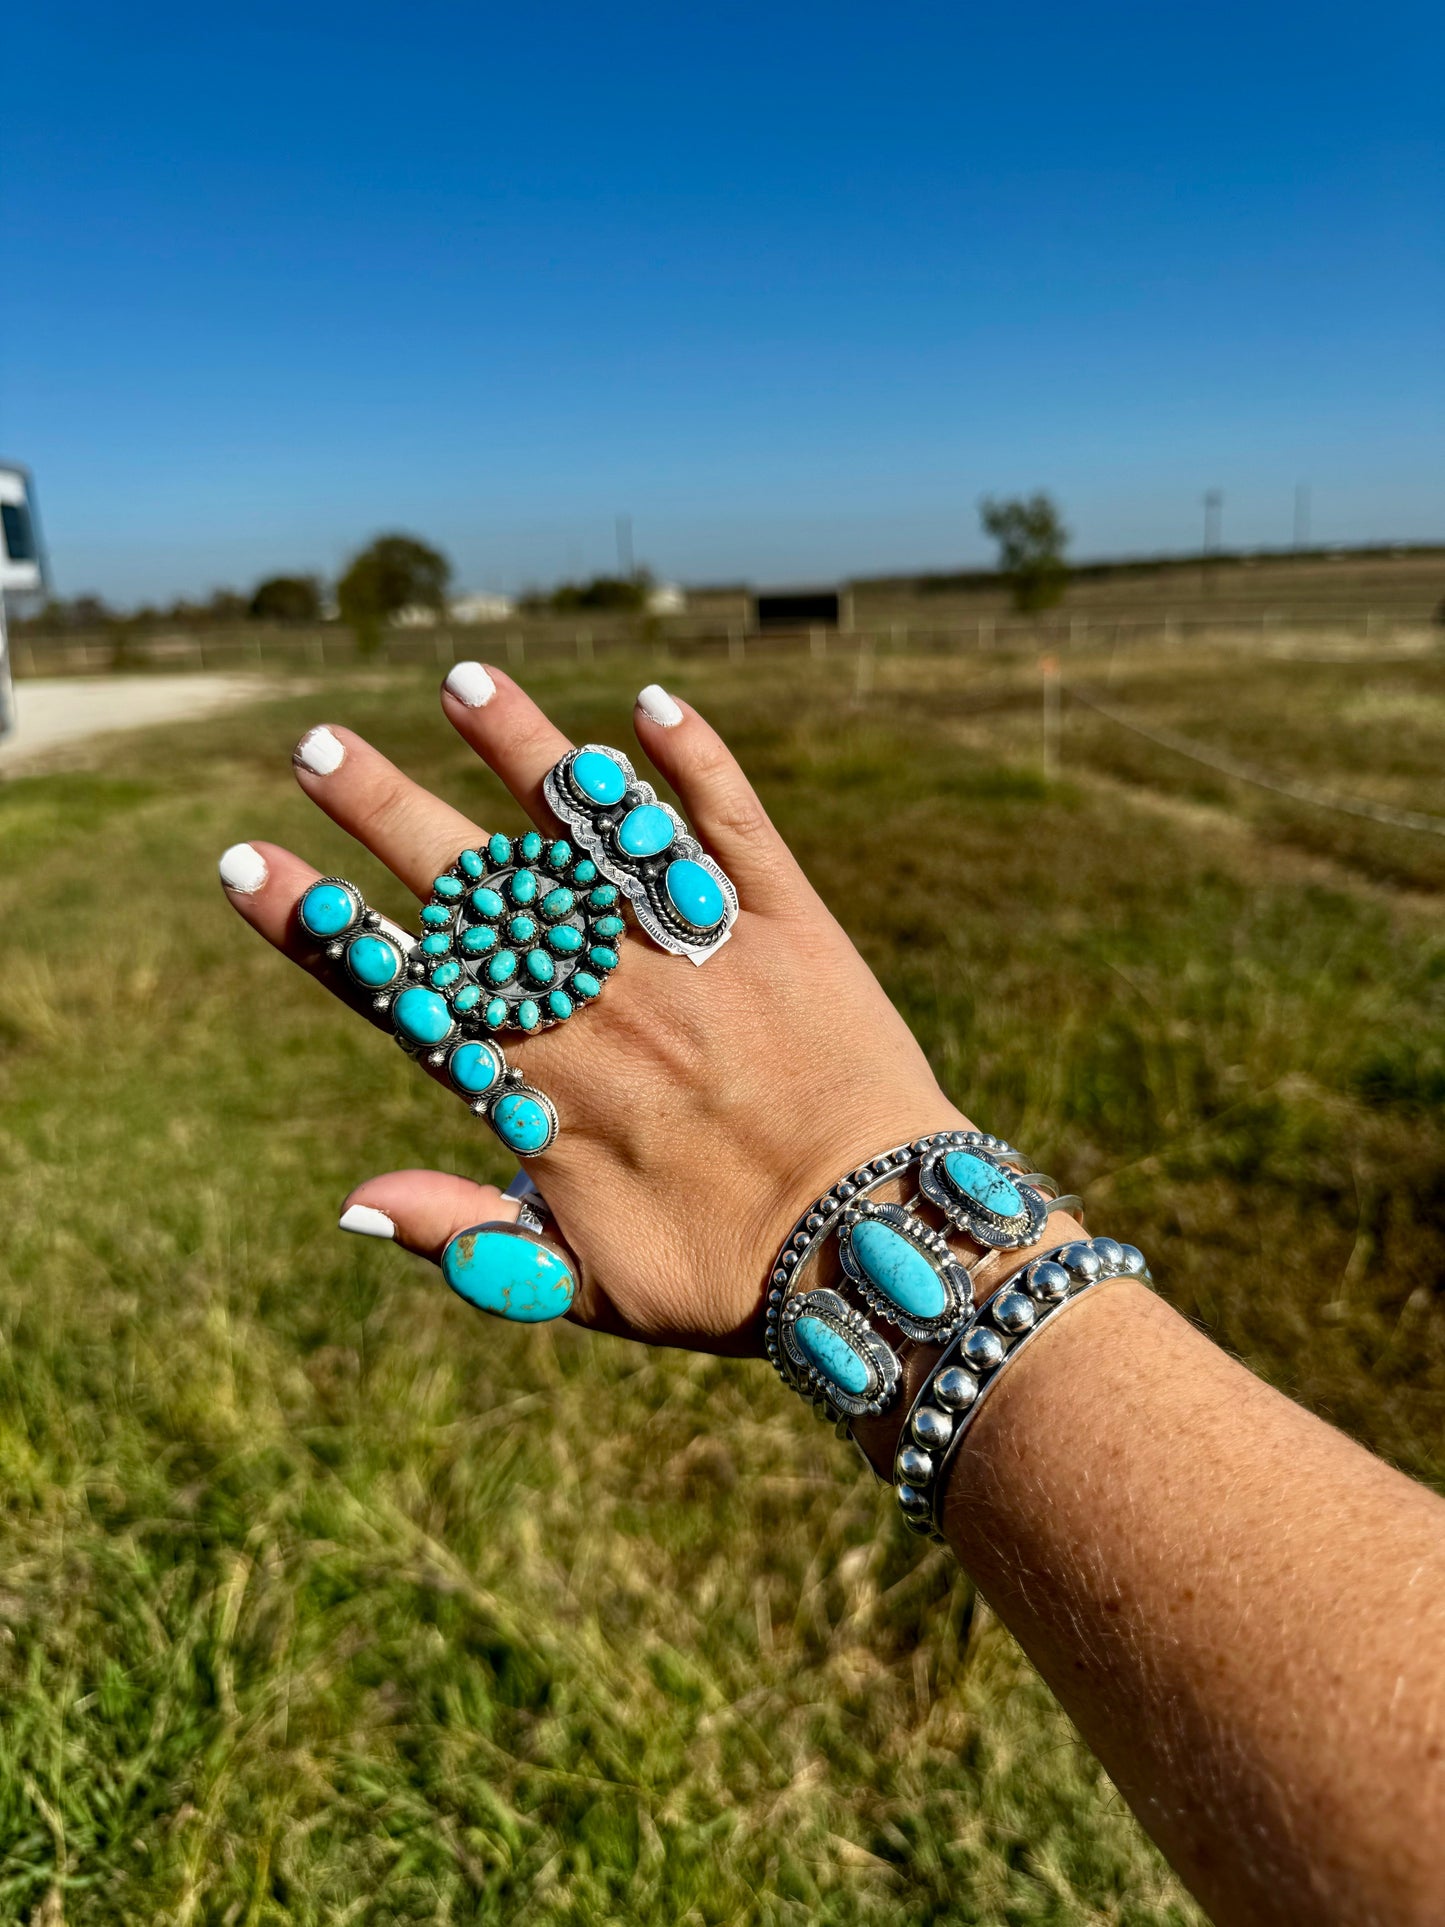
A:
(481, 608)
(416, 615)
(666, 600)
(795, 609)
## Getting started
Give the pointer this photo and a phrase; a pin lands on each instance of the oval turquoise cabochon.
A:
(599, 777)
(645, 831)
(503, 1271)
(979, 1182)
(833, 1355)
(898, 1269)
(694, 894)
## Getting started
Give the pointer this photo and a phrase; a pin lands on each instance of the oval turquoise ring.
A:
(679, 895)
(510, 1271)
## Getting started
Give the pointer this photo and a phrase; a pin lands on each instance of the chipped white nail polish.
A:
(243, 869)
(658, 707)
(470, 684)
(319, 751)
(366, 1221)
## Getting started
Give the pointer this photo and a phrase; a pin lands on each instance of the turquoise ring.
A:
(519, 935)
(510, 1271)
(380, 960)
(679, 895)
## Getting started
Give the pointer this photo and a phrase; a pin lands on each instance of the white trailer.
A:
(22, 567)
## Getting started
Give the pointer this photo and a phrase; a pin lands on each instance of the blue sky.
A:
(792, 285)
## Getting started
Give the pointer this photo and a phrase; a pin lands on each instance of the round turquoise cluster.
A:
(515, 936)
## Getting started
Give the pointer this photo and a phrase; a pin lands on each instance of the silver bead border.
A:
(950, 1398)
(648, 899)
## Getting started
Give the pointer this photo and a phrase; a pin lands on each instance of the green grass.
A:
(323, 1599)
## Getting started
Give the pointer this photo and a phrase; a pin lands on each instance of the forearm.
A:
(1240, 1609)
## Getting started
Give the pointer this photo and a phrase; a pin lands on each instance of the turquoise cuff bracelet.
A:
(679, 895)
(905, 1272)
(435, 1023)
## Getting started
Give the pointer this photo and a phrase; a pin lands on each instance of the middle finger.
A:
(413, 833)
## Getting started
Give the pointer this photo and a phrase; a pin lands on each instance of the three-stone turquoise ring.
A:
(435, 1022)
(679, 895)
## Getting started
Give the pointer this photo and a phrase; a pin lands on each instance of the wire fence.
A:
(332, 646)
(1285, 786)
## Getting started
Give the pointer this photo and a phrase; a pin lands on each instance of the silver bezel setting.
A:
(975, 1221)
(933, 1246)
(640, 878)
(853, 1328)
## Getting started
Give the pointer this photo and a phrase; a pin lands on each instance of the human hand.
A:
(701, 1108)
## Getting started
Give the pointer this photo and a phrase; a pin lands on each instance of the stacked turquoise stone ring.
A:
(380, 959)
(519, 934)
(679, 895)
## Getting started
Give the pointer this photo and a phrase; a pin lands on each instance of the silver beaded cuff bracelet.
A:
(902, 1269)
(953, 1393)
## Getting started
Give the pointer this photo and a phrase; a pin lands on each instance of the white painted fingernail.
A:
(243, 869)
(470, 684)
(320, 752)
(658, 707)
(366, 1221)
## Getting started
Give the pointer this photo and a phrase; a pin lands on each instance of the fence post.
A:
(584, 645)
(1050, 667)
(818, 644)
(516, 650)
(985, 633)
(736, 646)
(863, 670)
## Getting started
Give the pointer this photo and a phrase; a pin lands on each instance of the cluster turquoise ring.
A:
(681, 898)
(437, 1025)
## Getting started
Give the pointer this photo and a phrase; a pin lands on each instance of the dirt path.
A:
(56, 714)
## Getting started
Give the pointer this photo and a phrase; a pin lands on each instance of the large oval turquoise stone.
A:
(521, 1123)
(694, 894)
(645, 830)
(473, 1068)
(326, 910)
(372, 961)
(503, 1271)
(422, 1016)
(832, 1354)
(600, 779)
(896, 1267)
(979, 1182)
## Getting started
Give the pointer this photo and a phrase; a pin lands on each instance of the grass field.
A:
(322, 1599)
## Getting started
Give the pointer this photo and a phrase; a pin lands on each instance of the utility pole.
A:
(1302, 515)
(1213, 524)
(624, 547)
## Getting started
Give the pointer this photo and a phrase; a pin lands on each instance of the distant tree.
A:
(1031, 541)
(393, 572)
(603, 592)
(287, 598)
(227, 605)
